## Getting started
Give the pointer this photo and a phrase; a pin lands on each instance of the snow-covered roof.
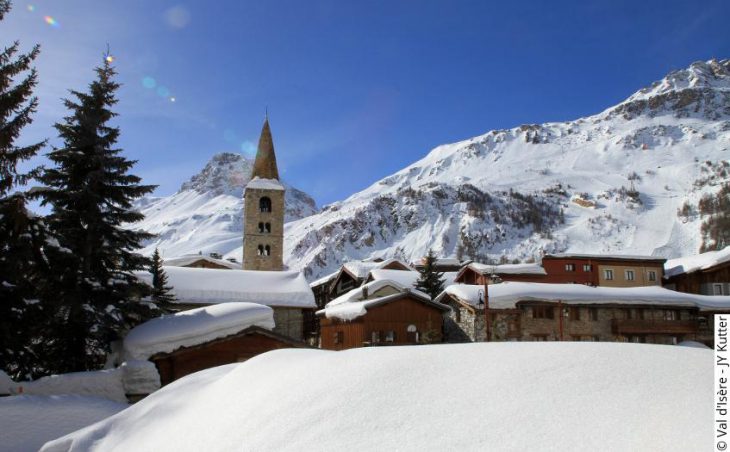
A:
(188, 259)
(196, 326)
(621, 257)
(352, 305)
(506, 295)
(265, 184)
(324, 279)
(690, 264)
(508, 269)
(210, 286)
(360, 269)
(267, 403)
(406, 278)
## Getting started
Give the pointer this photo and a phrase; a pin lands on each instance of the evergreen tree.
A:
(430, 281)
(22, 265)
(160, 290)
(96, 296)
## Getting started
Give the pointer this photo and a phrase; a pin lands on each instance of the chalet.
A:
(350, 275)
(200, 261)
(519, 311)
(476, 273)
(603, 270)
(287, 292)
(189, 341)
(706, 273)
(381, 312)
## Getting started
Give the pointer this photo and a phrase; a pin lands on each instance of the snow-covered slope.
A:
(560, 396)
(206, 213)
(612, 182)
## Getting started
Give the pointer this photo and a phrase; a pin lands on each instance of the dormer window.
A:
(265, 204)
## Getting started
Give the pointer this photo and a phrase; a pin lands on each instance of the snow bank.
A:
(196, 326)
(209, 285)
(505, 295)
(106, 384)
(27, 422)
(689, 264)
(545, 396)
(140, 377)
(6, 383)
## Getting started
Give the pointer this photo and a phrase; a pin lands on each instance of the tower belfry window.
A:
(261, 226)
(267, 227)
(267, 250)
(265, 204)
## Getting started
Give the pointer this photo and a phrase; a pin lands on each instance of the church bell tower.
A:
(263, 200)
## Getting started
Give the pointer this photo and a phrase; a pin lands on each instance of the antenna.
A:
(267, 113)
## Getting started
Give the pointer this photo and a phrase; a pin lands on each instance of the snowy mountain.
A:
(612, 182)
(206, 213)
(629, 179)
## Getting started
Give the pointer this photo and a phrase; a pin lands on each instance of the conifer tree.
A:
(90, 190)
(430, 281)
(161, 294)
(22, 265)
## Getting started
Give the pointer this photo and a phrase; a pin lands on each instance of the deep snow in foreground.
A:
(499, 396)
(28, 421)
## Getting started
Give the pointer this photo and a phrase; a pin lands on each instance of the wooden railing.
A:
(654, 326)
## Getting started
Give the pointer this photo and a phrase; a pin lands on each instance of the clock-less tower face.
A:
(263, 228)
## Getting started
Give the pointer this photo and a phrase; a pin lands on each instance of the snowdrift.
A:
(500, 396)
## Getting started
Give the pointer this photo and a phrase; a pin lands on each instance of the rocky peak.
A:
(225, 173)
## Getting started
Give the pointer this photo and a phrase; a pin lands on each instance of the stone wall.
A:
(253, 237)
(289, 322)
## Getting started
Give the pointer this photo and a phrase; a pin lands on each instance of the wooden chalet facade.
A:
(608, 271)
(404, 318)
(713, 280)
(235, 348)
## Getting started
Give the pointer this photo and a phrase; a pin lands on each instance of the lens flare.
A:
(162, 91)
(172, 99)
(149, 82)
(31, 8)
(109, 59)
(51, 21)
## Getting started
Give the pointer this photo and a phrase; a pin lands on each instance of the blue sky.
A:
(355, 90)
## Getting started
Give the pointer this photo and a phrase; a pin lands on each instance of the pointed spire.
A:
(265, 164)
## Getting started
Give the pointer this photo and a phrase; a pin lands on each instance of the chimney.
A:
(364, 292)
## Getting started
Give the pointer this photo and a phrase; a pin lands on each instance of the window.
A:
(575, 338)
(637, 339)
(260, 250)
(539, 337)
(608, 274)
(671, 314)
(267, 227)
(587, 268)
(261, 227)
(390, 336)
(629, 275)
(652, 275)
(339, 337)
(569, 267)
(267, 250)
(264, 227)
(717, 289)
(265, 204)
(375, 337)
(574, 313)
(543, 312)
(593, 314)
(412, 331)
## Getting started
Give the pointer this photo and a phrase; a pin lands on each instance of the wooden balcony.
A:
(654, 326)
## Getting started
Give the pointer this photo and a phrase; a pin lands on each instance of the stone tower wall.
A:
(252, 237)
